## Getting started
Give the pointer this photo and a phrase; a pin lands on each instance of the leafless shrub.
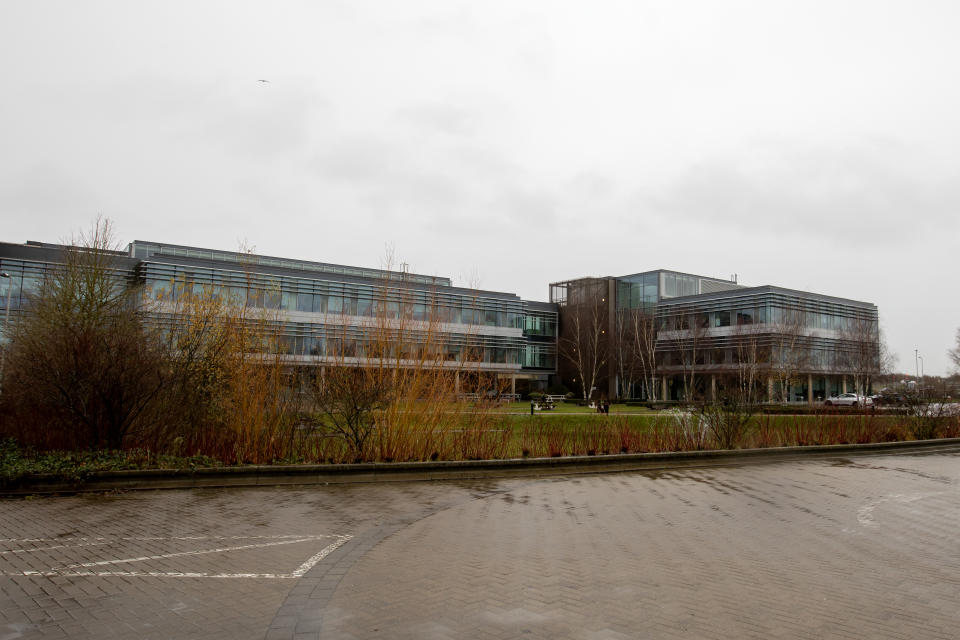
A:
(81, 371)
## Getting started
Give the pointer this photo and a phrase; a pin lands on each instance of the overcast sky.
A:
(812, 145)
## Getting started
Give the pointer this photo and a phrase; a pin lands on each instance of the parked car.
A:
(889, 398)
(848, 400)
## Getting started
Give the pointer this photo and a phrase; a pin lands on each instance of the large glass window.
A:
(722, 319)
(10, 289)
(305, 302)
(650, 294)
(163, 290)
(255, 297)
(675, 285)
(271, 299)
(350, 306)
(364, 307)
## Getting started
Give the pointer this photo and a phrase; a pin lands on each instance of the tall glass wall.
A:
(775, 309)
(166, 282)
(542, 324)
(676, 285)
(638, 292)
(326, 331)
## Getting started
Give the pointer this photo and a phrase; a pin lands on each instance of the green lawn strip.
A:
(566, 408)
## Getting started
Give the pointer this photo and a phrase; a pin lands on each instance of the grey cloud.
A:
(441, 118)
(48, 191)
(865, 193)
(388, 175)
(233, 115)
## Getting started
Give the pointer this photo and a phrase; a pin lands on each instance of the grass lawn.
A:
(569, 408)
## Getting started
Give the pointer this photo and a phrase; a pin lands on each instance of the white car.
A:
(848, 400)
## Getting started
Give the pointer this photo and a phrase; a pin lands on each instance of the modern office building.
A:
(326, 310)
(657, 334)
(670, 335)
(795, 345)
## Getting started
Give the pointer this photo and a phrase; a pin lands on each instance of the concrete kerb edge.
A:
(270, 475)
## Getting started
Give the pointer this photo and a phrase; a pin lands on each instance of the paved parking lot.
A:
(860, 548)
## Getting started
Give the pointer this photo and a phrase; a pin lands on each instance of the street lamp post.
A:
(6, 318)
(920, 379)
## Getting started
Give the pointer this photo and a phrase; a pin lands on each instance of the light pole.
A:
(916, 362)
(6, 318)
(920, 378)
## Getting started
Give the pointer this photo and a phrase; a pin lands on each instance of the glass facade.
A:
(778, 310)
(143, 250)
(676, 285)
(318, 310)
(165, 282)
(645, 290)
(808, 332)
(641, 291)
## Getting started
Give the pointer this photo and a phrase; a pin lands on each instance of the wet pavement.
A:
(859, 548)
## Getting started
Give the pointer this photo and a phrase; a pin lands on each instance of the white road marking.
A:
(65, 571)
(200, 552)
(58, 546)
(327, 550)
(149, 538)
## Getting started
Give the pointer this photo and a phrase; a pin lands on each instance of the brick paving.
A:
(860, 548)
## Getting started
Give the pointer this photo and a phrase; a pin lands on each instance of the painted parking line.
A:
(90, 569)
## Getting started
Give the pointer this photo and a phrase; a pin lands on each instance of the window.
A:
(305, 302)
(364, 307)
(350, 306)
(255, 297)
(722, 319)
(271, 299)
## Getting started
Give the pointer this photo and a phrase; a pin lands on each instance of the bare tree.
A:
(80, 360)
(789, 354)
(644, 333)
(623, 351)
(691, 342)
(751, 359)
(388, 383)
(582, 340)
(350, 397)
(861, 351)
